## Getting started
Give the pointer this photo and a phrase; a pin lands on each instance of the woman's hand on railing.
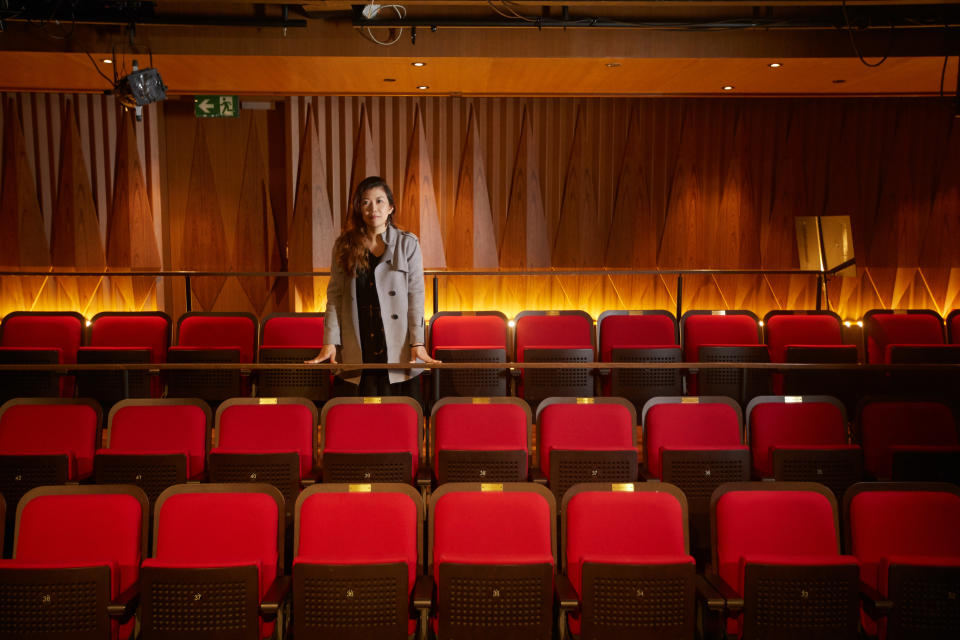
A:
(419, 354)
(328, 352)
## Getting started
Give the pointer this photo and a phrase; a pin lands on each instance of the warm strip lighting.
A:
(859, 323)
(847, 323)
(89, 323)
(511, 323)
(760, 322)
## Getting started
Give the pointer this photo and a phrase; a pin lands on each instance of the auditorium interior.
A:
(691, 279)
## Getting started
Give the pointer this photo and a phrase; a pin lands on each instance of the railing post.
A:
(820, 291)
(189, 292)
(436, 294)
(679, 296)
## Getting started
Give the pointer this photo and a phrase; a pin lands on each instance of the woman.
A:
(375, 297)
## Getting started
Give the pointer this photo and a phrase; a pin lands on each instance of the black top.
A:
(373, 342)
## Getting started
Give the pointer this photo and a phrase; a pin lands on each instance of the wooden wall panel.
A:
(471, 241)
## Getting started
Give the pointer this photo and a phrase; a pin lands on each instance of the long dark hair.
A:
(350, 250)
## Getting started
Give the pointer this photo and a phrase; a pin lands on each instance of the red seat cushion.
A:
(884, 329)
(253, 428)
(162, 429)
(566, 331)
(703, 330)
(692, 426)
(237, 332)
(47, 429)
(480, 427)
(468, 332)
(884, 425)
(372, 428)
(808, 330)
(144, 332)
(627, 331)
(293, 332)
(45, 332)
(792, 426)
(584, 427)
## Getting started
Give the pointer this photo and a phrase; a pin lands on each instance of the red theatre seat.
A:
(476, 336)
(372, 440)
(292, 338)
(155, 443)
(209, 337)
(803, 438)
(626, 558)
(76, 563)
(554, 336)
(909, 440)
(953, 327)
(586, 440)
(640, 336)
(480, 439)
(905, 538)
(724, 336)
(776, 554)
(39, 337)
(217, 562)
(358, 556)
(492, 556)
(884, 329)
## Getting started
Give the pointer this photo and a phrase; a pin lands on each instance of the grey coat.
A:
(399, 278)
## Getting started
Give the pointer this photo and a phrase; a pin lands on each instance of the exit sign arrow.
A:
(216, 106)
(205, 106)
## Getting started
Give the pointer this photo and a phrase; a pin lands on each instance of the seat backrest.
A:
(770, 519)
(792, 421)
(335, 524)
(52, 426)
(84, 524)
(953, 326)
(134, 329)
(689, 422)
(199, 525)
(585, 424)
(882, 328)
(254, 425)
(885, 519)
(480, 424)
(162, 426)
(605, 523)
(562, 329)
(372, 425)
(884, 424)
(783, 329)
(512, 523)
(479, 330)
(219, 330)
(292, 330)
(699, 328)
(44, 330)
(630, 329)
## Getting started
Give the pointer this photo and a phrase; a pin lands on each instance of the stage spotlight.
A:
(141, 87)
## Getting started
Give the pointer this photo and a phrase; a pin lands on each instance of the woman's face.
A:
(375, 208)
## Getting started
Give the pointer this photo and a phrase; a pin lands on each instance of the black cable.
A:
(97, 67)
(853, 42)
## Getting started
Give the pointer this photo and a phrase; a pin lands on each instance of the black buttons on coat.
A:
(393, 293)
(394, 316)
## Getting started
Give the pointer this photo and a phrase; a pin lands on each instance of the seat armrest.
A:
(278, 592)
(732, 601)
(424, 477)
(875, 604)
(566, 595)
(603, 372)
(126, 603)
(536, 475)
(644, 475)
(197, 478)
(423, 593)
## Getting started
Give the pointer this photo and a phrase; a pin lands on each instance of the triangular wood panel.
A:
(577, 242)
(23, 241)
(364, 161)
(204, 243)
(471, 242)
(418, 212)
(750, 292)
(632, 239)
(939, 248)
(312, 232)
(257, 248)
(524, 241)
(686, 241)
(131, 240)
(644, 292)
(944, 285)
(75, 242)
(794, 292)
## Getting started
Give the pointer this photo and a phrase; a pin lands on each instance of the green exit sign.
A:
(216, 106)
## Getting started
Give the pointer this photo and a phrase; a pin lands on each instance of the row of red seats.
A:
(494, 566)
(696, 443)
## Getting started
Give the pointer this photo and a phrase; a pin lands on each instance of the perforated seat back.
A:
(887, 424)
(800, 330)
(596, 426)
(162, 427)
(491, 426)
(773, 423)
(672, 423)
(247, 426)
(635, 331)
(717, 330)
(882, 329)
(39, 427)
(140, 330)
(367, 425)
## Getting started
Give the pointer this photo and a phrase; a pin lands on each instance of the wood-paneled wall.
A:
(540, 183)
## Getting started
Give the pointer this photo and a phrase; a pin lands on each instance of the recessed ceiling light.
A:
(774, 65)
(419, 64)
(728, 87)
(613, 65)
(107, 61)
(838, 81)
(423, 87)
(389, 79)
